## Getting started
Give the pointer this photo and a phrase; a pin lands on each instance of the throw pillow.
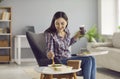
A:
(116, 40)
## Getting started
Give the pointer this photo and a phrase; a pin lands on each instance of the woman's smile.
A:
(60, 24)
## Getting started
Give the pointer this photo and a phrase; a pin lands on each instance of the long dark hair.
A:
(57, 15)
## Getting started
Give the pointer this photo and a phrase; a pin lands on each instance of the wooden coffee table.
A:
(48, 73)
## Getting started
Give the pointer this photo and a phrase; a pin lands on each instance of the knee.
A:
(88, 60)
(92, 58)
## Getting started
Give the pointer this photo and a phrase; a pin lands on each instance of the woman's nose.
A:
(60, 25)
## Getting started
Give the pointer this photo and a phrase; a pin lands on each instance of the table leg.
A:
(15, 50)
(71, 76)
(74, 75)
(41, 76)
(48, 76)
(19, 50)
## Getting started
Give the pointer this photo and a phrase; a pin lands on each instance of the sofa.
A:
(112, 59)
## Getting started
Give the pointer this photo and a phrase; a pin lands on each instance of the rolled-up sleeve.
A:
(49, 42)
(72, 41)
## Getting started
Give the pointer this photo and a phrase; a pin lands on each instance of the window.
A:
(107, 16)
(118, 12)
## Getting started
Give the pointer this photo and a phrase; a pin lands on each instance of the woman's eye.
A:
(62, 23)
(57, 23)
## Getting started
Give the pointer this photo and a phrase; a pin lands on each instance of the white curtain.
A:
(107, 16)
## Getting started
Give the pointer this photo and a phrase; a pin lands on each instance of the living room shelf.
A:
(5, 47)
(5, 34)
(5, 20)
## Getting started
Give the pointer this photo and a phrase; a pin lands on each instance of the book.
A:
(5, 15)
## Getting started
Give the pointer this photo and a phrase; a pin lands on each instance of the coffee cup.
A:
(82, 30)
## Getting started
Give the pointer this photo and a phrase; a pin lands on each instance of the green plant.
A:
(92, 35)
(118, 27)
(1, 0)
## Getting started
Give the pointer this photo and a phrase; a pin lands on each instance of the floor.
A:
(14, 71)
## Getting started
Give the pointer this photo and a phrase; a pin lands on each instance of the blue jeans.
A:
(88, 65)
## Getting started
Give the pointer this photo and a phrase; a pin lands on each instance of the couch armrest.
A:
(102, 44)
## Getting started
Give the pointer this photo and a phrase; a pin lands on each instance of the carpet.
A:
(35, 75)
(13, 73)
(32, 73)
(101, 74)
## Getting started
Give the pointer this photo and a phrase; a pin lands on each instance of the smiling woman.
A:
(58, 40)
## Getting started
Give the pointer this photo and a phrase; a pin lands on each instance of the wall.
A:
(39, 13)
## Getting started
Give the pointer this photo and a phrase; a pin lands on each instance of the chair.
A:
(37, 44)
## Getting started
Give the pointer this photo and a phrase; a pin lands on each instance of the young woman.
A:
(58, 41)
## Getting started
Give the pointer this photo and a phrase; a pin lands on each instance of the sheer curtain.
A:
(107, 16)
(118, 14)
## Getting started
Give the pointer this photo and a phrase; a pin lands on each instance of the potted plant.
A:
(118, 27)
(92, 35)
(1, 0)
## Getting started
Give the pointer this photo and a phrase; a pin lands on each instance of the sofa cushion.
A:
(102, 44)
(116, 40)
(110, 49)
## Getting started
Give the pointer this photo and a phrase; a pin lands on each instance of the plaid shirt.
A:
(59, 45)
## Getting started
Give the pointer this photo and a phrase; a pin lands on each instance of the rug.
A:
(32, 73)
(101, 74)
(35, 75)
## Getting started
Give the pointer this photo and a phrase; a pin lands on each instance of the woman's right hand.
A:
(50, 55)
(77, 35)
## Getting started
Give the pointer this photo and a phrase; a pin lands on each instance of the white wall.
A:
(39, 13)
